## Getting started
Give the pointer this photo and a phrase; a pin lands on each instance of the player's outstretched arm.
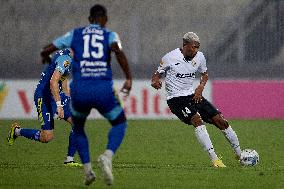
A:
(54, 87)
(46, 51)
(155, 81)
(122, 60)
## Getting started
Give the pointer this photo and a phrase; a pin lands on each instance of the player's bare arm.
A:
(122, 60)
(54, 87)
(46, 51)
(155, 81)
(199, 89)
(66, 90)
(65, 87)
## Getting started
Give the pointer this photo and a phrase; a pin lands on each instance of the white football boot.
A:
(90, 178)
(105, 165)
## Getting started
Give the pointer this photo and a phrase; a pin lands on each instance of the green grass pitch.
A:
(156, 154)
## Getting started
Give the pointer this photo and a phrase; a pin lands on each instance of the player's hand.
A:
(126, 88)
(157, 84)
(60, 112)
(198, 94)
(155, 81)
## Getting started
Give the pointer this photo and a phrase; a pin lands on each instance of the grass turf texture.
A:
(155, 154)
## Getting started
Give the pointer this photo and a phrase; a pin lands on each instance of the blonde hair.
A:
(191, 37)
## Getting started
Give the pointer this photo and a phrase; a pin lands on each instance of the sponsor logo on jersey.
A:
(84, 63)
(186, 75)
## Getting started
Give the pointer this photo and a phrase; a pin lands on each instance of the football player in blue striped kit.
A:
(51, 96)
(92, 86)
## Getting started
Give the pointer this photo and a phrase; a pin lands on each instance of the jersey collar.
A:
(96, 25)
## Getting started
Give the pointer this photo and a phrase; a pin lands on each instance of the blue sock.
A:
(81, 139)
(115, 136)
(72, 144)
(33, 134)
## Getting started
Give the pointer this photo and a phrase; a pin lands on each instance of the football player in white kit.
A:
(180, 67)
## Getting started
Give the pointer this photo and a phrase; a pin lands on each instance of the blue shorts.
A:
(46, 109)
(95, 94)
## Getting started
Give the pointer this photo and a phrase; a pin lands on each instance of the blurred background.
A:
(241, 39)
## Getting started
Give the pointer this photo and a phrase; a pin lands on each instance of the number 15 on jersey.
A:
(96, 42)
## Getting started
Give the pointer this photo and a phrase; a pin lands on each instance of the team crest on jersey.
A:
(161, 63)
(193, 63)
(66, 63)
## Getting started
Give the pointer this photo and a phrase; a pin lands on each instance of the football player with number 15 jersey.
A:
(92, 86)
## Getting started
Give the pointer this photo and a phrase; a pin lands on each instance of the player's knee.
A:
(224, 124)
(46, 137)
(196, 120)
(119, 119)
(220, 122)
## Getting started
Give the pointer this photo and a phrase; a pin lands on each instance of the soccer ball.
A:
(249, 157)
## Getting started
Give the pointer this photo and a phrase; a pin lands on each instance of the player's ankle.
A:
(18, 131)
(109, 153)
(87, 168)
(69, 158)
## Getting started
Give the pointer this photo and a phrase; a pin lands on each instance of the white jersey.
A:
(180, 73)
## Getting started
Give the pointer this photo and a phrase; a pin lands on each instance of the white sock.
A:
(204, 139)
(232, 137)
(87, 168)
(109, 153)
(17, 131)
(69, 158)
